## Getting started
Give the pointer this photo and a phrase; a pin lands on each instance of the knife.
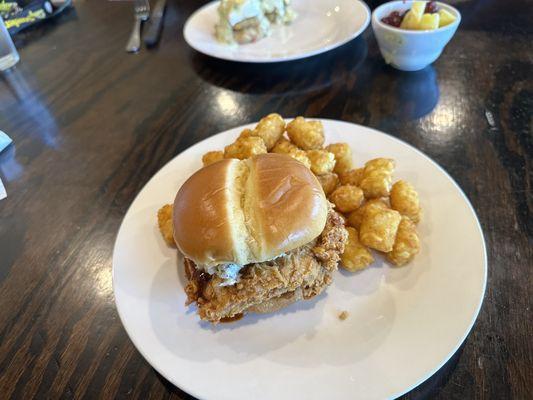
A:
(153, 33)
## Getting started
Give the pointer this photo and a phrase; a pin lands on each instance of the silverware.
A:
(141, 13)
(151, 37)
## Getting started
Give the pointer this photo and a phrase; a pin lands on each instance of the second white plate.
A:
(321, 25)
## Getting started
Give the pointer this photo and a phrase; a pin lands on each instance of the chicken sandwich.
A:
(256, 234)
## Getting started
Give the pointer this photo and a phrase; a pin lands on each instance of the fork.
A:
(141, 12)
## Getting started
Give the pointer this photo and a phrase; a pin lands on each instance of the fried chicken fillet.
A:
(265, 287)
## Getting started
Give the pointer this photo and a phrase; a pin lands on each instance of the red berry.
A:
(431, 7)
(393, 19)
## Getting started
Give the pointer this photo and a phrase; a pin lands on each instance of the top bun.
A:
(248, 211)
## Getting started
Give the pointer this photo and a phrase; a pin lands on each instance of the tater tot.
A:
(406, 246)
(352, 177)
(378, 229)
(404, 199)
(377, 184)
(329, 182)
(322, 161)
(343, 157)
(377, 177)
(212, 156)
(307, 135)
(347, 198)
(355, 218)
(375, 205)
(270, 129)
(301, 156)
(356, 256)
(246, 133)
(166, 226)
(245, 147)
(380, 164)
(284, 146)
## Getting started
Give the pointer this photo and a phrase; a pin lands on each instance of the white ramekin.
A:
(409, 50)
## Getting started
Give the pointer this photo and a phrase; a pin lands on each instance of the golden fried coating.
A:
(356, 256)
(212, 156)
(343, 157)
(307, 135)
(305, 272)
(380, 164)
(329, 182)
(378, 229)
(270, 129)
(246, 133)
(377, 177)
(352, 177)
(322, 161)
(404, 198)
(406, 246)
(284, 146)
(375, 205)
(245, 147)
(347, 198)
(166, 227)
(301, 156)
(355, 218)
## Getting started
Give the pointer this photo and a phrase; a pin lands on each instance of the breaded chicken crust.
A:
(300, 274)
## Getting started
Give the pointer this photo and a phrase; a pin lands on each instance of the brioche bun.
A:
(248, 211)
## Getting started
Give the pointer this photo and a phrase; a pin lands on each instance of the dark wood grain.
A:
(91, 124)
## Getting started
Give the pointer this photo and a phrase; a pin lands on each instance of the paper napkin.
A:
(3, 193)
(4, 142)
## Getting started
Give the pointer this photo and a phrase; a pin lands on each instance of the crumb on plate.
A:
(343, 315)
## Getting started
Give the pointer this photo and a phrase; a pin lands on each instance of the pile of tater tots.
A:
(379, 215)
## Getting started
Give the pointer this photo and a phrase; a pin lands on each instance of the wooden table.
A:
(91, 124)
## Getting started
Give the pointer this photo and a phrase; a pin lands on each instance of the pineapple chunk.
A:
(446, 18)
(410, 21)
(429, 22)
(418, 8)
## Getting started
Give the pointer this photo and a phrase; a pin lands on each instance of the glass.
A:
(8, 52)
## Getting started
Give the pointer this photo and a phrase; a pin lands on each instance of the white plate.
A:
(321, 25)
(403, 323)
